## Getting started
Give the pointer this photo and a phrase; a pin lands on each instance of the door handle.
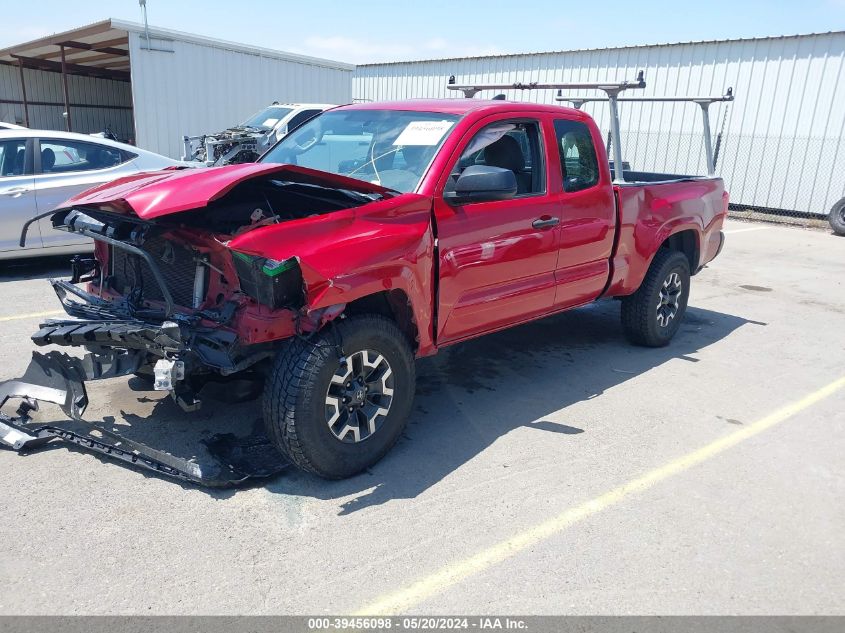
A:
(545, 223)
(17, 191)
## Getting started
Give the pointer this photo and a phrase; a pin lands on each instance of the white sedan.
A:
(40, 169)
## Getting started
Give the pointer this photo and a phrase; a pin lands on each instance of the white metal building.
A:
(780, 146)
(779, 143)
(154, 92)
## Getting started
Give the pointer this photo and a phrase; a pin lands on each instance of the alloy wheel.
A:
(359, 396)
(669, 300)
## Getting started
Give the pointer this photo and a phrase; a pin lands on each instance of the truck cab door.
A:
(587, 208)
(17, 195)
(497, 259)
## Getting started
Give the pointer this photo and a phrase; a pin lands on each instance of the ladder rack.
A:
(612, 90)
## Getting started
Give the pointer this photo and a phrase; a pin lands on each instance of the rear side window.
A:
(59, 156)
(579, 166)
(12, 155)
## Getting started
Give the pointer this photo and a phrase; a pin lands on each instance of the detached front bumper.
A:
(60, 379)
(119, 344)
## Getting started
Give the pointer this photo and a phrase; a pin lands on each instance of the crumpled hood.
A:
(155, 194)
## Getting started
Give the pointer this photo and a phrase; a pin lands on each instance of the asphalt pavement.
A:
(547, 469)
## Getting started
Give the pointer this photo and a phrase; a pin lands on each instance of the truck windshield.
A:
(267, 118)
(391, 148)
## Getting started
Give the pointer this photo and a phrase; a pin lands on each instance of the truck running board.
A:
(60, 379)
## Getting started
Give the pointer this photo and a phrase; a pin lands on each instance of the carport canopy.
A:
(96, 50)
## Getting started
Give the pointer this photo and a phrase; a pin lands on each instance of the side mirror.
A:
(482, 183)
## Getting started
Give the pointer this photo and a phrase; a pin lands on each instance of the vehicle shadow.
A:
(55, 266)
(471, 395)
(468, 396)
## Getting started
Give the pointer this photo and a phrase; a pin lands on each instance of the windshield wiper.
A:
(366, 197)
(357, 196)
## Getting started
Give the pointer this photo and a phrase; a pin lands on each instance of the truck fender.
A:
(347, 255)
(651, 214)
(676, 227)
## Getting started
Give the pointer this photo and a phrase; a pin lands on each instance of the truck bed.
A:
(651, 207)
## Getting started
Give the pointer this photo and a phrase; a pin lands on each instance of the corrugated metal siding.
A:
(782, 145)
(197, 89)
(47, 87)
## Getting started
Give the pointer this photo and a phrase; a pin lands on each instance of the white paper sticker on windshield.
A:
(270, 122)
(423, 133)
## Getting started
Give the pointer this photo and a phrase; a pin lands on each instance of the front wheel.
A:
(653, 314)
(335, 404)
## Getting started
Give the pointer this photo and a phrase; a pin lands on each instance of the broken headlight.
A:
(276, 284)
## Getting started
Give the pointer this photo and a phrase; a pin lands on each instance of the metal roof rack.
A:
(612, 90)
(703, 101)
(579, 101)
(607, 86)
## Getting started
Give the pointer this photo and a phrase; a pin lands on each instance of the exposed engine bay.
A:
(264, 201)
(246, 142)
(182, 261)
(235, 145)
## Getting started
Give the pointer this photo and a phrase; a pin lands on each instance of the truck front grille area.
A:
(177, 264)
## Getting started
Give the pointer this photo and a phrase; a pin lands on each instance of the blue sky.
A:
(380, 30)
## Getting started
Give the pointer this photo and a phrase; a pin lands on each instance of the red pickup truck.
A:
(371, 235)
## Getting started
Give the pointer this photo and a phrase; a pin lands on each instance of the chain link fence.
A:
(788, 180)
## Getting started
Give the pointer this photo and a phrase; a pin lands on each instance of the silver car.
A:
(40, 169)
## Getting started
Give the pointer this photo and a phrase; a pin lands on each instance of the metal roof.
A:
(97, 50)
(598, 48)
(101, 49)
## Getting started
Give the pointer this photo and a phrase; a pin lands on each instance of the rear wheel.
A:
(653, 314)
(837, 217)
(336, 403)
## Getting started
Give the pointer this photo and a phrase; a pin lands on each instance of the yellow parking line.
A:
(453, 573)
(32, 315)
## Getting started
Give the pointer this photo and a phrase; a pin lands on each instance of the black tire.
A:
(837, 217)
(641, 315)
(296, 412)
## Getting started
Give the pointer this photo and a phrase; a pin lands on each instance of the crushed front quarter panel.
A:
(381, 246)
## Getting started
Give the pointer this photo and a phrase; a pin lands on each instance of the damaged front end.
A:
(196, 279)
(131, 320)
(164, 309)
(166, 281)
(172, 298)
